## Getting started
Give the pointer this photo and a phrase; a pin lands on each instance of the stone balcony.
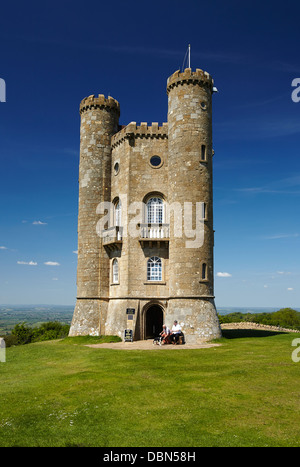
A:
(154, 234)
(112, 238)
(150, 235)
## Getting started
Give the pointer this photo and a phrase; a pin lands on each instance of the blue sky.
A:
(53, 54)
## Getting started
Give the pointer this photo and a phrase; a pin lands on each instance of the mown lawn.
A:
(61, 393)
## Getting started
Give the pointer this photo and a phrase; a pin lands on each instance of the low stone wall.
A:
(257, 326)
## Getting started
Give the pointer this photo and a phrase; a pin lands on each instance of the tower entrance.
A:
(153, 321)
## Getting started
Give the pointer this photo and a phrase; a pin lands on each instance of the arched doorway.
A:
(154, 320)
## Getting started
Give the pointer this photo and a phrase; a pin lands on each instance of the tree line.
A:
(24, 334)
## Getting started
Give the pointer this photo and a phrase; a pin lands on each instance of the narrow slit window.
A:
(203, 152)
(204, 271)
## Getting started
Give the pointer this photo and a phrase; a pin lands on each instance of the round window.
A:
(116, 168)
(203, 105)
(155, 161)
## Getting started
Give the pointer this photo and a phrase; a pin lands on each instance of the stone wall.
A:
(257, 326)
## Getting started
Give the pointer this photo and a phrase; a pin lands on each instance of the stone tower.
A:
(190, 181)
(99, 121)
(152, 261)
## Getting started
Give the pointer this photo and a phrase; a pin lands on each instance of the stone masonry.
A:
(145, 223)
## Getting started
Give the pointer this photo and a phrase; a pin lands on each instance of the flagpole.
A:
(189, 55)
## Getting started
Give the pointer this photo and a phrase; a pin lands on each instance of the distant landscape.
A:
(262, 309)
(34, 315)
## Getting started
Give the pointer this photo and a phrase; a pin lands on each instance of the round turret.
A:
(190, 187)
(100, 102)
(99, 122)
(200, 77)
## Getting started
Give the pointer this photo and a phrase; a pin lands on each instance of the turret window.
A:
(203, 152)
(204, 271)
(154, 269)
(156, 162)
(116, 168)
(204, 211)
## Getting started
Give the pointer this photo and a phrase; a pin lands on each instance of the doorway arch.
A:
(153, 320)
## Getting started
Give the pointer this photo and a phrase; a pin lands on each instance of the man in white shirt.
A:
(176, 332)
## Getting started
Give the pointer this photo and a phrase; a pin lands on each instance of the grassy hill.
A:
(62, 393)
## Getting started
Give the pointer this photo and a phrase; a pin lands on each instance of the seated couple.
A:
(171, 337)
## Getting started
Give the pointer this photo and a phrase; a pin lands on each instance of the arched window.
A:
(154, 269)
(155, 211)
(115, 271)
(118, 213)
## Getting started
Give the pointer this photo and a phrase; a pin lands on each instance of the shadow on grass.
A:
(239, 333)
(85, 340)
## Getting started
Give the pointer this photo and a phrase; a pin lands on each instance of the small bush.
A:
(50, 330)
(24, 334)
(10, 340)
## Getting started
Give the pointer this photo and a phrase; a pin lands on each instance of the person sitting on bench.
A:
(165, 334)
(176, 332)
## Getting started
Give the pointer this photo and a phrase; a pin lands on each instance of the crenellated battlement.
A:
(132, 130)
(101, 102)
(199, 77)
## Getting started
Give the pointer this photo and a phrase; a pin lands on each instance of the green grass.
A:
(62, 393)
(87, 340)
